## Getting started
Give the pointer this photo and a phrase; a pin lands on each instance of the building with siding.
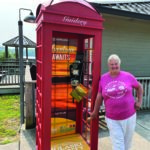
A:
(127, 33)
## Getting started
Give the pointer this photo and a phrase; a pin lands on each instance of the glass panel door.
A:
(63, 109)
(87, 82)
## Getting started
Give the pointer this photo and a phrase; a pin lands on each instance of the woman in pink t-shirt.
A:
(116, 88)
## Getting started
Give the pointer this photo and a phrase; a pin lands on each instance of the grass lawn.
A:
(9, 118)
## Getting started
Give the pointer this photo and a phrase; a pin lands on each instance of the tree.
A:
(11, 55)
(2, 56)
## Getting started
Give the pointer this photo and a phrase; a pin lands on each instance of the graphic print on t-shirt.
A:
(115, 89)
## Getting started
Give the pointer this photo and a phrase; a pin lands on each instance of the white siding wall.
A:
(130, 39)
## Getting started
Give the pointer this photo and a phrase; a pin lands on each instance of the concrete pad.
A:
(141, 139)
(139, 143)
(26, 142)
(11, 146)
(27, 139)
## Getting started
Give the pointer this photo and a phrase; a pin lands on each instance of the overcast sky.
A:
(9, 16)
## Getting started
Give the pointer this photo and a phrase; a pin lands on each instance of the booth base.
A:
(72, 142)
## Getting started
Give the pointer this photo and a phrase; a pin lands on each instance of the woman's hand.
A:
(137, 105)
(93, 115)
(97, 105)
(138, 102)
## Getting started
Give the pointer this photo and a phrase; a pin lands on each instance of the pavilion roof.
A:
(14, 42)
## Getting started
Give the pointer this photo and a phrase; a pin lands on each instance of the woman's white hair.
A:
(115, 57)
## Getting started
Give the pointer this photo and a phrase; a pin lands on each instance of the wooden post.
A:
(16, 52)
(29, 100)
(26, 53)
(6, 52)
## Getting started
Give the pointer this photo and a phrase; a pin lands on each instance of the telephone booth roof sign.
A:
(69, 12)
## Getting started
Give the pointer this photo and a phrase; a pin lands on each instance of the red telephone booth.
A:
(69, 36)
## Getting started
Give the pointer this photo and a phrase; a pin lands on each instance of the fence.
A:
(145, 81)
(10, 72)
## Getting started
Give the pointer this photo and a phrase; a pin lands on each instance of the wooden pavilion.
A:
(14, 42)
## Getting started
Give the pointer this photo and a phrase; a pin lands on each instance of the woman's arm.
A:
(97, 105)
(139, 91)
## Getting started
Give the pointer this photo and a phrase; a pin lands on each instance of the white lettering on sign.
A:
(61, 57)
(74, 20)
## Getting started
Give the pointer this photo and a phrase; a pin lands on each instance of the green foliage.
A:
(11, 55)
(2, 55)
(9, 118)
(6, 141)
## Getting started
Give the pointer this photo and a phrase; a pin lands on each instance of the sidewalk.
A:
(139, 143)
(27, 139)
(26, 142)
(141, 139)
(11, 146)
